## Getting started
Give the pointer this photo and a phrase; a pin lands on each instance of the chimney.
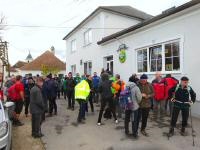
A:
(52, 49)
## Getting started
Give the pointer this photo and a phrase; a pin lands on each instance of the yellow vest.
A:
(82, 90)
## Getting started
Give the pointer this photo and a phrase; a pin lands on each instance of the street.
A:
(62, 133)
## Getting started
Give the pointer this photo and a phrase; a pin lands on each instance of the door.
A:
(109, 63)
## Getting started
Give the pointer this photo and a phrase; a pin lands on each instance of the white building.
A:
(168, 43)
(83, 53)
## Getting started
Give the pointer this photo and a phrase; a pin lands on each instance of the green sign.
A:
(122, 55)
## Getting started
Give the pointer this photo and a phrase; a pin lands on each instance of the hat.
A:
(143, 77)
(184, 78)
(49, 76)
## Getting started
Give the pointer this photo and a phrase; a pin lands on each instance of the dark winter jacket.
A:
(148, 90)
(36, 101)
(105, 87)
(182, 95)
(70, 84)
(51, 89)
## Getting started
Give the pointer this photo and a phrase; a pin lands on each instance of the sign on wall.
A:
(122, 53)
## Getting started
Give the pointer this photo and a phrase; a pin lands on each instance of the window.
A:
(172, 57)
(73, 45)
(162, 57)
(88, 68)
(155, 58)
(88, 37)
(73, 70)
(142, 60)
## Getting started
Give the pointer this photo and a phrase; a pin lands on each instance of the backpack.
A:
(125, 99)
(12, 93)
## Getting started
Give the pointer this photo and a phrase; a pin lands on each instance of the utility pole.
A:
(4, 59)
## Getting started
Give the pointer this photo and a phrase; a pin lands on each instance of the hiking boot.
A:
(171, 132)
(144, 133)
(135, 136)
(183, 133)
(55, 113)
(18, 123)
(49, 115)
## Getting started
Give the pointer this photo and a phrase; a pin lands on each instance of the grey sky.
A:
(56, 13)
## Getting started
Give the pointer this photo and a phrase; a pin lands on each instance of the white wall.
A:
(93, 52)
(185, 27)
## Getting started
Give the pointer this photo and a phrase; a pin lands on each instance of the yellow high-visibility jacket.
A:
(82, 90)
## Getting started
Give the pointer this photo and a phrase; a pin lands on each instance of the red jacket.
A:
(169, 83)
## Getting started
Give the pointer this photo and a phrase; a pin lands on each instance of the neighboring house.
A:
(47, 59)
(168, 43)
(83, 55)
(15, 69)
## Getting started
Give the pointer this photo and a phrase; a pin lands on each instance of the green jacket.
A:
(148, 90)
(82, 91)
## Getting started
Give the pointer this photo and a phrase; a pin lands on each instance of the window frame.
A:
(163, 57)
(75, 45)
(87, 35)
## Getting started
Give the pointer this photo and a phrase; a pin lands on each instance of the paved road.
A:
(63, 133)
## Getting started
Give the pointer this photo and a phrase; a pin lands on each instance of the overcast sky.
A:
(52, 15)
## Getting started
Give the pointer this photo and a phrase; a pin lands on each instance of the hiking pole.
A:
(193, 135)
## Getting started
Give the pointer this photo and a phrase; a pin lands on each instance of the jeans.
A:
(143, 113)
(52, 105)
(134, 115)
(175, 113)
(104, 101)
(27, 102)
(159, 105)
(81, 114)
(36, 124)
(91, 103)
(70, 96)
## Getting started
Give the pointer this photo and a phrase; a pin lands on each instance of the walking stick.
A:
(193, 135)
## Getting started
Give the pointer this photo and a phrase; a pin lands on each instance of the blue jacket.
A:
(96, 81)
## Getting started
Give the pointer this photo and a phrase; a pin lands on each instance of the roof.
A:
(19, 64)
(47, 59)
(12, 69)
(165, 14)
(123, 10)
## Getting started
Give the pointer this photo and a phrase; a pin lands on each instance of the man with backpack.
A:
(182, 96)
(145, 105)
(16, 95)
(131, 97)
(107, 97)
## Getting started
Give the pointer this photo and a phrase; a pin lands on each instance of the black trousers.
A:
(128, 115)
(91, 103)
(71, 101)
(65, 94)
(52, 105)
(36, 124)
(143, 114)
(27, 102)
(58, 94)
(110, 102)
(175, 113)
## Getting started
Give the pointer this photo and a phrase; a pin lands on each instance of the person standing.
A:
(89, 81)
(134, 78)
(145, 105)
(77, 79)
(95, 81)
(159, 96)
(52, 94)
(37, 108)
(182, 96)
(18, 99)
(70, 84)
(132, 113)
(106, 97)
(29, 83)
(82, 91)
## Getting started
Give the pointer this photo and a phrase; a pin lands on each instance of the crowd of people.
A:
(133, 100)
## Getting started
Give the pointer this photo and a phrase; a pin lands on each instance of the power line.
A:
(58, 27)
